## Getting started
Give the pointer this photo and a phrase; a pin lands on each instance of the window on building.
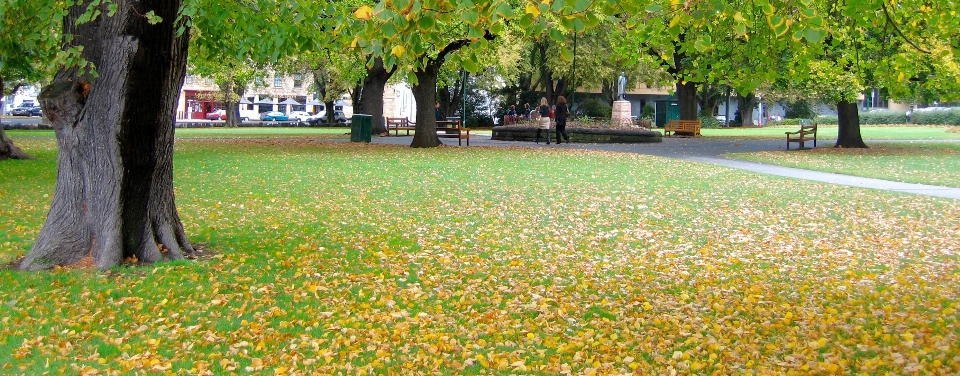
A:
(298, 80)
(189, 80)
(278, 81)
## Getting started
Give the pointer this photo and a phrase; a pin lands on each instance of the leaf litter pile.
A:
(370, 259)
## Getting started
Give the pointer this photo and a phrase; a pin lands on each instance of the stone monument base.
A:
(621, 113)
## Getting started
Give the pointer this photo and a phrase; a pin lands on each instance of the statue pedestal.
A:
(621, 113)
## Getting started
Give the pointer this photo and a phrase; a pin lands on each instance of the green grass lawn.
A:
(263, 132)
(828, 132)
(916, 162)
(338, 258)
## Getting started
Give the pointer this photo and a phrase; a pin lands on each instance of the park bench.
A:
(399, 124)
(682, 126)
(453, 129)
(807, 132)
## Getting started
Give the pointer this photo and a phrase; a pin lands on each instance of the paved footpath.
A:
(705, 150)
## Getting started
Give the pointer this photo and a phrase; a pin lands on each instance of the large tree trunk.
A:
(114, 196)
(371, 102)
(425, 94)
(745, 105)
(848, 126)
(708, 97)
(7, 148)
(687, 98)
(232, 105)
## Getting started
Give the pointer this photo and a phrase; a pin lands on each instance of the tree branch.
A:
(897, 29)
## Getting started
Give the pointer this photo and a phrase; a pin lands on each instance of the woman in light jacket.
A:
(543, 124)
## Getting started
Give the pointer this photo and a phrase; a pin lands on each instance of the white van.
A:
(246, 115)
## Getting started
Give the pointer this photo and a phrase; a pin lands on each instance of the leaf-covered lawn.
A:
(335, 258)
(828, 133)
(925, 163)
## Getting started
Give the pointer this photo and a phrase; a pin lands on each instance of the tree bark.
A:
(7, 148)
(745, 105)
(848, 126)
(114, 197)
(233, 106)
(232, 109)
(371, 102)
(425, 94)
(687, 98)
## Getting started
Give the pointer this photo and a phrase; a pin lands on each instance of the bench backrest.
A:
(397, 121)
(448, 124)
(684, 124)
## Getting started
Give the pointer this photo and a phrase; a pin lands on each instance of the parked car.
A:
(217, 115)
(28, 110)
(299, 115)
(321, 118)
(274, 116)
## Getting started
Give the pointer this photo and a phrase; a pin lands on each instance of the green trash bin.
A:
(361, 128)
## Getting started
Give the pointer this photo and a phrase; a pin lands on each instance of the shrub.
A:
(481, 121)
(799, 110)
(648, 112)
(883, 117)
(789, 121)
(709, 122)
(936, 116)
(831, 120)
(596, 108)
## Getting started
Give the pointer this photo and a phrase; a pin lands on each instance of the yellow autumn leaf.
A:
(398, 51)
(364, 13)
(533, 9)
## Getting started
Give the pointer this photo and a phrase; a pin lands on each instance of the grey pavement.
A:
(705, 150)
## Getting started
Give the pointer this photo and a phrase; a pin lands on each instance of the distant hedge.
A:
(826, 120)
(924, 116)
(883, 117)
(936, 116)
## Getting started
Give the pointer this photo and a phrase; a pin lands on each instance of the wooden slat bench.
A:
(399, 124)
(807, 132)
(453, 129)
(682, 126)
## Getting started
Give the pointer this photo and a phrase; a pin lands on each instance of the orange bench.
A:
(682, 126)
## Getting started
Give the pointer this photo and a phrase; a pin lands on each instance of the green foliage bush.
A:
(798, 110)
(883, 117)
(709, 122)
(829, 120)
(788, 121)
(596, 108)
(939, 116)
(480, 121)
(648, 112)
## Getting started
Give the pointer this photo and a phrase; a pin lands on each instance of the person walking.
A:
(543, 124)
(561, 114)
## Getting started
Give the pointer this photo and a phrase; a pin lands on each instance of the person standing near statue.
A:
(561, 114)
(543, 123)
(622, 86)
